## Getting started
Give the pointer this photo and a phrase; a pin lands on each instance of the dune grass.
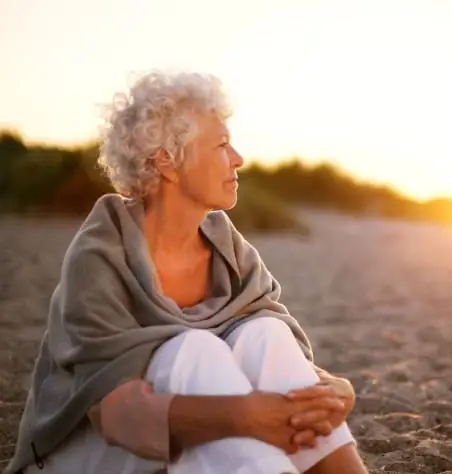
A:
(257, 210)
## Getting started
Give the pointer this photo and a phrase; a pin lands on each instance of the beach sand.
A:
(375, 298)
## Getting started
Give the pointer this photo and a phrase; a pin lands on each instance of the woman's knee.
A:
(266, 328)
(188, 348)
(268, 325)
(193, 344)
(270, 356)
(189, 362)
(201, 342)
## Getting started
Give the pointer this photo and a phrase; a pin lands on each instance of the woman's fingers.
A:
(309, 418)
(311, 392)
(322, 403)
(305, 438)
(323, 428)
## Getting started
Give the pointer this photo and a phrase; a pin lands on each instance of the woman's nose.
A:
(237, 160)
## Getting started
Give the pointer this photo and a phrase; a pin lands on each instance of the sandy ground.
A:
(375, 298)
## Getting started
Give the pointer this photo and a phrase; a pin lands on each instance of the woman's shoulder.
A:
(110, 203)
(102, 229)
(229, 241)
(219, 229)
(216, 220)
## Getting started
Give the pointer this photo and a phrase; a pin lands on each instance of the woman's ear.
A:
(165, 165)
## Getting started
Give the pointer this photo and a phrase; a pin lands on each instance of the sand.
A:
(375, 298)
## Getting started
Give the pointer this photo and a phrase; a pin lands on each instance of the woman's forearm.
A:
(197, 419)
(159, 426)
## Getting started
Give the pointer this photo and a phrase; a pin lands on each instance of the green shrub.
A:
(257, 210)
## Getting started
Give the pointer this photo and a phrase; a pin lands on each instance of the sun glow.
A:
(363, 84)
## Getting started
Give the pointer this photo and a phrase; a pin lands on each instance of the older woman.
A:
(167, 347)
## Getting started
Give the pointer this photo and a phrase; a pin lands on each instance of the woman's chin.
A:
(228, 202)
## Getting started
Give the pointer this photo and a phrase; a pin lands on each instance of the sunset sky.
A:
(365, 84)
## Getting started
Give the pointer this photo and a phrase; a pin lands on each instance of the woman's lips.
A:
(233, 182)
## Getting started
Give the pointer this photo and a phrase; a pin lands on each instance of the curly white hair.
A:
(159, 112)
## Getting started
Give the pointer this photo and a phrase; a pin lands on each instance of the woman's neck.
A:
(172, 227)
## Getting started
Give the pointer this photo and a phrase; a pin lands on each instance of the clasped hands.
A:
(330, 407)
(294, 420)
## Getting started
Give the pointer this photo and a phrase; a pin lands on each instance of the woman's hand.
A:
(339, 388)
(344, 390)
(267, 416)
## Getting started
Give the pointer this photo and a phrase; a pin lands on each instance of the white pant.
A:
(260, 354)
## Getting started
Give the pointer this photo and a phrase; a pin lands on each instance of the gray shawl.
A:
(106, 317)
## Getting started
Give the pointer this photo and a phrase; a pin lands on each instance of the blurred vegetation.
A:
(43, 179)
(257, 209)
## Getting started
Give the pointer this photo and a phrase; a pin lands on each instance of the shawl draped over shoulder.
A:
(106, 317)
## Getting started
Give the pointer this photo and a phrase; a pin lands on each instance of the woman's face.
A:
(209, 174)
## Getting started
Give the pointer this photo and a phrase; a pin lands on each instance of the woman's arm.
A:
(260, 415)
(195, 420)
(159, 426)
(128, 417)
